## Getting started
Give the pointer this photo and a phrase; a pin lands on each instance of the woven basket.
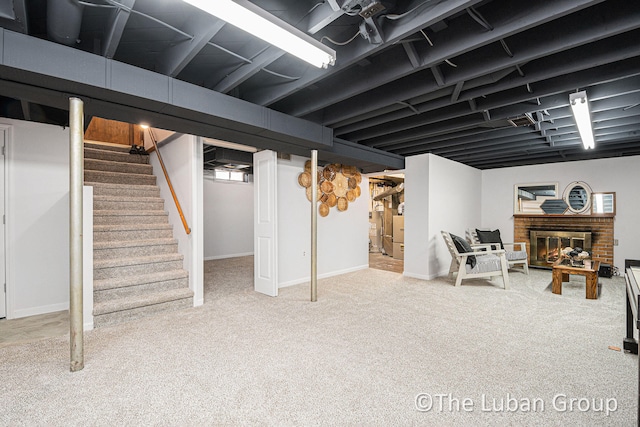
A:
(343, 204)
(326, 187)
(340, 185)
(332, 200)
(328, 173)
(308, 191)
(304, 179)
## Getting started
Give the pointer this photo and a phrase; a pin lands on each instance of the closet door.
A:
(265, 220)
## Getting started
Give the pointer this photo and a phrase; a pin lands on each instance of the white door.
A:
(3, 286)
(265, 240)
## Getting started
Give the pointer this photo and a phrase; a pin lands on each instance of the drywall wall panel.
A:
(343, 237)
(416, 213)
(455, 205)
(183, 161)
(37, 209)
(228, 219)
(440, 194)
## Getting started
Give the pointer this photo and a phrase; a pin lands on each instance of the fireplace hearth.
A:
(547, 245)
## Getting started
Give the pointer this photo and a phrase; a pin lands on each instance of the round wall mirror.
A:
(577, 195)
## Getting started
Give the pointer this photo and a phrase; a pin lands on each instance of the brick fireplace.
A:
(600, 227)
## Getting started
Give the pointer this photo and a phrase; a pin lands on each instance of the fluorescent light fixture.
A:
(250, 18)
(580, 107)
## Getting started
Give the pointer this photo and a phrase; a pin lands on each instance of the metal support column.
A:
(314, 225)
(76, 178)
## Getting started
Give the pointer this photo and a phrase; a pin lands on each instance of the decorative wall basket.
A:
(338, 185)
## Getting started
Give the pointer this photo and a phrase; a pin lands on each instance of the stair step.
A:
(106, 189)
(138, 280)
(103, 217)
(119, 178)
(133, 231)
(133, 248)
(115, 156)
(128, 203)
(132, 308)
(108, 146)
(111, 166)
(137, 268)
(121, 267)
(130, 287)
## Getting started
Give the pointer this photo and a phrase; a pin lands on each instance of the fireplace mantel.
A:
(601, 227)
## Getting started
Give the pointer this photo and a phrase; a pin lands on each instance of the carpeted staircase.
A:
(137, 270)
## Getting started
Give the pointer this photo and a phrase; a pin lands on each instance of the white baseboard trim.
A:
(88, 326)
(322, 276)
(43, 309)
(198, 302)
(210, 258)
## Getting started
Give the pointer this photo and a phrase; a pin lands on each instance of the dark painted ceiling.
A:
(485, 83)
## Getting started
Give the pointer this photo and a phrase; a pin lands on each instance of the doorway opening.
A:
(386, 221)
(228, 219)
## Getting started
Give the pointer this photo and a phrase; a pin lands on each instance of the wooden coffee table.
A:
(561, 274)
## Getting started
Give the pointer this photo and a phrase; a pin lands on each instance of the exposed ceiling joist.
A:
(587, 29)
(117, 22)
(395, 31)
(319, 17)
(203, 28)
(449, 77)
(458, 39)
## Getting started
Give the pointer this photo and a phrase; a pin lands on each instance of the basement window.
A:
(226, 175)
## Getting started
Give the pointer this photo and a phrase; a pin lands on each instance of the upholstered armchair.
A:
(470, 263)
(516, 253)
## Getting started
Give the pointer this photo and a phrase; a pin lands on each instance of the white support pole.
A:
(314, 225)
(76, 180)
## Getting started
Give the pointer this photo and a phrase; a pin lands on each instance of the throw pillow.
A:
(463, 247)
(486, 236)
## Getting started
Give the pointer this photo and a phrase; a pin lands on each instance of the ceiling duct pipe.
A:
(390, 192)
(64, 18)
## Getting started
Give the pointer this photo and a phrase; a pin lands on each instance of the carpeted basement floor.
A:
(359, 356)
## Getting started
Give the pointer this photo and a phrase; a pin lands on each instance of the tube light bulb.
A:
(250, 18)
(580, 108)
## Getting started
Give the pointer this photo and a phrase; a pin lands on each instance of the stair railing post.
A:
(76, 181)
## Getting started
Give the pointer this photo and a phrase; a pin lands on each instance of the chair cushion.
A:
(485, 264)
(486, 236)
(463, 246)
(516, 255)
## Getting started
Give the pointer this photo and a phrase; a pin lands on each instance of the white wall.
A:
(621, 175)
(183, 161)
(416, 214)
(440, 194)
(228, 219)
(37, 209)
(343, 237)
